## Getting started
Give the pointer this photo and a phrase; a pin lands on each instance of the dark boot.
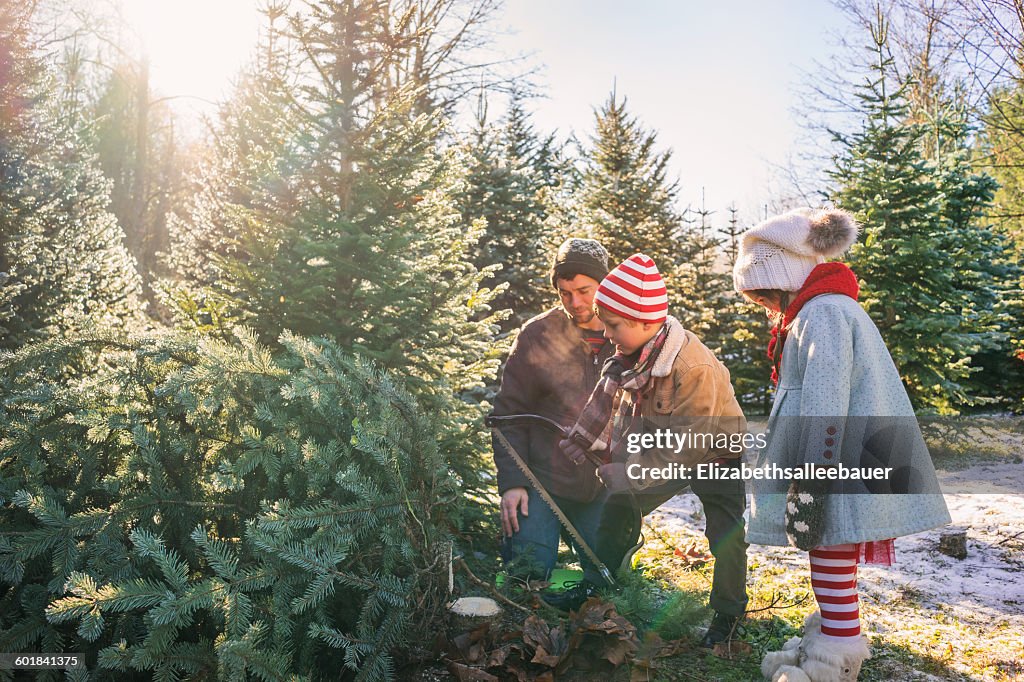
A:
(723, 628)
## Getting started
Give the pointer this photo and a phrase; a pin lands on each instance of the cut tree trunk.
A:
(954, 543)
(469, 613)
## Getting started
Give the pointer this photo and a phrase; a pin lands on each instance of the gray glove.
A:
(614, 477)
(573, 451)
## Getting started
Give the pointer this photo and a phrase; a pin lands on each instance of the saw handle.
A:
(495, 421)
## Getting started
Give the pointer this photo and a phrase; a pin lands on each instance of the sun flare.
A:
(195, 47)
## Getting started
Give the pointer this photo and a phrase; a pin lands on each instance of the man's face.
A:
(577, 295)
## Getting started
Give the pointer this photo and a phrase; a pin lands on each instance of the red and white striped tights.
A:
(834, 582)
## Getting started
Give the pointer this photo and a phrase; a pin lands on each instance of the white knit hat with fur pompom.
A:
(781, 252)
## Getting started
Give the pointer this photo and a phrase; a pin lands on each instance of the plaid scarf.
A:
(596, 427)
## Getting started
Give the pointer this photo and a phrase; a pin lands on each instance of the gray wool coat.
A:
(840, 399)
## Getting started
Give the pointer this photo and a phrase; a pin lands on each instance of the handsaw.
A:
(494, 420)
(550, 502)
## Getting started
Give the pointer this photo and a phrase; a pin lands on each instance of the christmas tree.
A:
(626, 198)
(62, 258)
(209, 508)
(509, 170)
(912, 283)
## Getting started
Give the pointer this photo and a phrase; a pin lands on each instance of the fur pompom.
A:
(832, 232)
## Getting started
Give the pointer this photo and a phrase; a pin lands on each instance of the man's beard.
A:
(582, 317)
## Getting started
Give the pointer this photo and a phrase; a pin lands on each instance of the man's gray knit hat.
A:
(578, 256)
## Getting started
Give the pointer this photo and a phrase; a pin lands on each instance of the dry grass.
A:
(911, 639)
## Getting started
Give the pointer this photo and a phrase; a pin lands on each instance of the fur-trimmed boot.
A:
(788, 656)
(834, 660)
(823, 659)
(776, 663)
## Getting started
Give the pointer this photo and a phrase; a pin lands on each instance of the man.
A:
(553, 367)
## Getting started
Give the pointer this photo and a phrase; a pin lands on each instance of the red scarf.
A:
(826, 278)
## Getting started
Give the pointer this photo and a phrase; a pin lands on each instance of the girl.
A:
(839, 403)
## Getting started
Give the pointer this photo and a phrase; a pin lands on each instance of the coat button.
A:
(829, 441)
(828, 454)
(831, 430)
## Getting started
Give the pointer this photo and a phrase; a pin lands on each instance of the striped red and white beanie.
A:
(634, 290)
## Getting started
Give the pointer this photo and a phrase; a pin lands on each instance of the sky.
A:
(719, 80)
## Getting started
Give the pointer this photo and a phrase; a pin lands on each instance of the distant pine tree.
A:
(912, 274)
(989, 275)
(704, 288)
(63, 264)
(742, 333)
(509, 170)
(626, 197)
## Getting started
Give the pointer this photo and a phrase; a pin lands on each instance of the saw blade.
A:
(548, 500)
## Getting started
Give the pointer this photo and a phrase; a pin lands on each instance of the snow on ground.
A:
(943, 607)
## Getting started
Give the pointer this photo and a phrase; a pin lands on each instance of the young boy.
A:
(664, 401)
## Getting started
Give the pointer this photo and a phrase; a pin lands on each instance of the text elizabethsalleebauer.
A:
(772, 471)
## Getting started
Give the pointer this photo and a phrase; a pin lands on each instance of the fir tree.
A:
(626, 197)
(1000, 150)
(211, 509)
(239, 186)
(989, 275)
(910, 280)
(509, 169)
(62, 256)
(743, 331)
(704, 288)
(347, 227)
(336, 218)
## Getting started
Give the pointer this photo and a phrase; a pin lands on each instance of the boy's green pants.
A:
(724, 502)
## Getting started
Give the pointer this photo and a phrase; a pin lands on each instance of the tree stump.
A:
(469, 613)
(954, 543)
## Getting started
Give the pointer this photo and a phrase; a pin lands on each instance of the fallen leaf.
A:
(693, 555)
(544, 658)
(498, 656)
(465, 673)
(653, 646)
(536, 633)
(619, 651)
(732, 650)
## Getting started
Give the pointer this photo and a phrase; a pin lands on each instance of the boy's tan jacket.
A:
(690, 391)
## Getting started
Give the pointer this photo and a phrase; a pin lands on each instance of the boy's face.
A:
(577, 296)
(628, 336)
